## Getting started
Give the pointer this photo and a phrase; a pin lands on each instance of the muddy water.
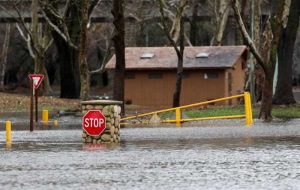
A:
(197, 156)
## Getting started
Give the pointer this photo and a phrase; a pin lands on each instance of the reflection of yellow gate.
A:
(178, 119)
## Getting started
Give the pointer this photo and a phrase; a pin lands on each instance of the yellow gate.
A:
(178, 119)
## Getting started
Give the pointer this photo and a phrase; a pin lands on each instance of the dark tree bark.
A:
(68, 56)
(69, 33)
(194, 26)
(119, 44)
(69, 69)
(266, 102)
(83, 67)
(177, 92)
(284, 88)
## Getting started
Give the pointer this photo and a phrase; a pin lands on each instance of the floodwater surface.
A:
(195, 156)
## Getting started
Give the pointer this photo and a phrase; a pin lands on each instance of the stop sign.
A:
(93, 122)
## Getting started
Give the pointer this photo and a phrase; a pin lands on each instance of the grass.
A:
(287, 112)
(21, 103)
(283, 112)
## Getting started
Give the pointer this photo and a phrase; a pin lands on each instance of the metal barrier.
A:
(178, 119)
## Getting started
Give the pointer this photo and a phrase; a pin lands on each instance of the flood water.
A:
(225, 155)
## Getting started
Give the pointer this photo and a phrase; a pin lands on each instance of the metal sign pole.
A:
(36, 107)
(31, 105)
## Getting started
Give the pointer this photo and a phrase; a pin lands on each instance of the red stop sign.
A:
(93, 122)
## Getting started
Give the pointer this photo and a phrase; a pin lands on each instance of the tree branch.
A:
(164, 26)
(247, 38)
(27, 40)
(107, 55)
(93, 5)
(61, 33)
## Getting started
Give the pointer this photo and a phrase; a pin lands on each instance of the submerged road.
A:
(202, 155)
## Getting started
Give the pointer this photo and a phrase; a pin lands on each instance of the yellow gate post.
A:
(248, 109)
(45, 116)
(8, 132)
(178, 117)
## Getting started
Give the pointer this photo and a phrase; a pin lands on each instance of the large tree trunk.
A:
(266, 103)
(69, 70)
(119, 44)
(68, 56)
(83, 67)
(284, 89)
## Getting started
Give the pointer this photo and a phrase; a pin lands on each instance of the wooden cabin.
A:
(210, 72)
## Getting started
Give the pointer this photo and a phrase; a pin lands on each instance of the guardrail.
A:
(178, 119)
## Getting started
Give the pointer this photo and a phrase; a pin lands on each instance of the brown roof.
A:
(165, 57)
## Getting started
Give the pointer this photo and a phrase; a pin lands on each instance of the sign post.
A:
(35, 81)
(94, 122)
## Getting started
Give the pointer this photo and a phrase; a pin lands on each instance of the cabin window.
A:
(211, 75)
(155, 75)
(130, 76)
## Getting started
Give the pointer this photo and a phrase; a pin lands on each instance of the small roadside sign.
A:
(37, 79)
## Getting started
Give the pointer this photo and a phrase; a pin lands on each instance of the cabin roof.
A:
(197, 57)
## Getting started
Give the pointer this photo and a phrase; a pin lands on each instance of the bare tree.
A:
(174, 34)
(119, 44)
(36, 38)
(5, 53)
(284, 90)
(266, 58)
(83, 67)
(66, 25)
(221, 12)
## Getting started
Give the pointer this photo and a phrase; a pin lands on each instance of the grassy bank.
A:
(284, 112)
(21, 103)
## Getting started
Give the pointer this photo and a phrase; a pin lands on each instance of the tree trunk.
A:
(268, 55)
(284, 88)
(194, 25)
(68, 66)
(39, 54)
(4, 54)
(68, 56)
(176, 95)
(83, 67)
(266, 103)
(177, 92)
(40, 63)
(119, 44)
(222, 18)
